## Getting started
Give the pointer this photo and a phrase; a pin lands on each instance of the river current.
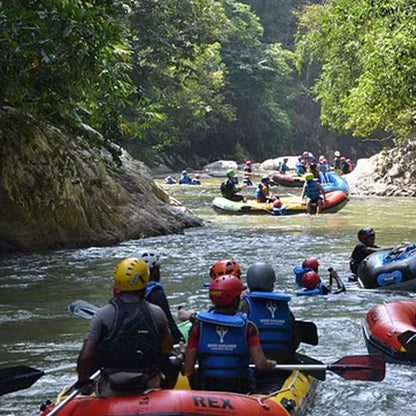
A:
(36, 329)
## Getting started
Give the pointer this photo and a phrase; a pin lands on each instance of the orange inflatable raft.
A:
(292, 398)
(390, 329)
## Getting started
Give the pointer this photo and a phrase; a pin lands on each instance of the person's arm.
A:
(302, 195)
(256, 351)
(86, 361)
(259, 359)
(322, 190)
(191, 354)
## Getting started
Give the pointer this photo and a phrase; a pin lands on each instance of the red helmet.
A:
(310, 280)
(305, 154)
(277, 203)
(311, 264)
(223, 290)
(286, 159)
(343, 159)
(248, 162)
(223, 267)
(197, 176)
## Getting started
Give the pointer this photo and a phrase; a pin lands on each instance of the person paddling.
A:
(128, 339)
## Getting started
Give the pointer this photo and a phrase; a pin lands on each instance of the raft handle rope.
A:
(393, 330)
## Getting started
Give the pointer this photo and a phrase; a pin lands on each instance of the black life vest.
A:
(132, 341)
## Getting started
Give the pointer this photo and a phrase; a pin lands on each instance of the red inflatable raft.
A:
(390, 328)
(291, 398)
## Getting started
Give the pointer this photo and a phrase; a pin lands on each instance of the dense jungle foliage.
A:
(203, 79)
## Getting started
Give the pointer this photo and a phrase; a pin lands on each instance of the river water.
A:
(35, 289)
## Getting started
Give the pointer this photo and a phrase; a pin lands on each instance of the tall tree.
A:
(366, 48)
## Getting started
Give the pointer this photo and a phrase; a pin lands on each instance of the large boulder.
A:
(61, 188)
(388, 173)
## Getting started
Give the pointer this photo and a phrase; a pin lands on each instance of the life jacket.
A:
(300, 168)
(132, 341)
(319, 289)
(185, 180)
(311, 190)
(299, 272)
(222, 346)
(337, 163)
(259, 194)
(152, 285)
(270, 312)
(227, 189)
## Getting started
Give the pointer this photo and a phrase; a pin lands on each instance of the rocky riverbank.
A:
(388, 173)
(59, 188)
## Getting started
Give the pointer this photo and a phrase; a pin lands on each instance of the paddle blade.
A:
(360, 367)
(18, 378)
(308, 332)
(82, 309)
(408, 341)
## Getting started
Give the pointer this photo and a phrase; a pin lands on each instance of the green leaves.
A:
(367, 51)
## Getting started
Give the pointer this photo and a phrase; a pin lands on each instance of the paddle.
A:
(408, 341)
(22, 377)
(75, 393)
(350, 367)
(307, 330)
(82, 309)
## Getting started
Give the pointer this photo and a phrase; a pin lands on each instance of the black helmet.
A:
(364, 233)
(261, 277)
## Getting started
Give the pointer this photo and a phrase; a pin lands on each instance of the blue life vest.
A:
(320, 289)
(222, 346)
(259, 192)
(312, 191)
(270, 312)
(185, 180)
(150, 287)
(300, 168)
(299, 272)
(279, 210)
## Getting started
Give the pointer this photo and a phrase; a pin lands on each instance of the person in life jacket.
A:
(247, 167)
(313, 192)
(169, 180)
(184, 178)
(283, 168)
(312, 285)
(128, 338)
(247, 180)
(337, 162)
(229, 189)
(300, 167)
(263, 193)
(218, 269)
(196, 180)
(308, 265)
(364, 248)
(155, 293)
(270, 312)
(223, 341)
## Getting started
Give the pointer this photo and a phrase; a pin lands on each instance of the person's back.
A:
(155, 292)
(223, 341)
(128, 338)
(228, 188)
(270, 312)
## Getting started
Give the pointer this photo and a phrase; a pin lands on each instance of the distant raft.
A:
(390, 329)
(389, 269)
(330, 181)
(334, 202)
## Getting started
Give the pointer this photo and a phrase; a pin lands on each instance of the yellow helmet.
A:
(131, 274)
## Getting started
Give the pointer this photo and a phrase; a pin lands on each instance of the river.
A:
(36, 330)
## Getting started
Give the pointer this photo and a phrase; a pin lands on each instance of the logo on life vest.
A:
(222, 332)
(271, 306)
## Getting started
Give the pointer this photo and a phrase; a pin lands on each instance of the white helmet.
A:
(152, 258)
